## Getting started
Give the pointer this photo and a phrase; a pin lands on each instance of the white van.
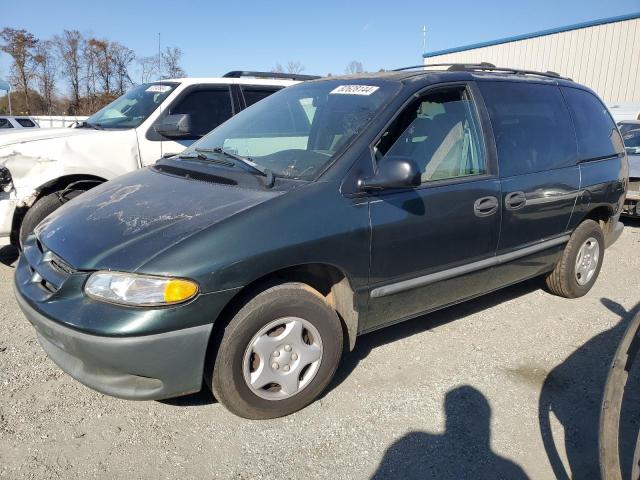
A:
(40, 169)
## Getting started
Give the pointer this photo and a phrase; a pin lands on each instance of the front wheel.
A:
(38, 212)
(578, 269)
(278, 353)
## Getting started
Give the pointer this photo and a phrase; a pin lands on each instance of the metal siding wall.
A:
(603, 57)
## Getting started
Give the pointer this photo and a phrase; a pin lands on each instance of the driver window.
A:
(208, 109)
(439, 132)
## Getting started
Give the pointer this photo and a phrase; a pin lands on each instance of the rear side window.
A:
(208, 109)
(25, 122)
(597, 134)
(253, 94)
(532, 127)
(5, 123)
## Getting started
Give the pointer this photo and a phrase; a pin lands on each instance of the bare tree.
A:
(149, 68)
(354, 66)
(70, 47)
(90, 77)
(103, 62)
(295, 66)
(122, 58)
(171, 63)
(46, 71)
(20, 45)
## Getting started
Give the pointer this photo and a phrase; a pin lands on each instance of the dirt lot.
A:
(506, 386)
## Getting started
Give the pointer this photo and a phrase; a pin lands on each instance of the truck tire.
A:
(38, 212)
(578, 269)
(278, 353)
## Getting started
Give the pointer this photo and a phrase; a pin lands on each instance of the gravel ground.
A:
(506, 386)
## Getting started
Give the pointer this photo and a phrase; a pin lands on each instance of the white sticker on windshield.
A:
(354, 90)
(158, 88)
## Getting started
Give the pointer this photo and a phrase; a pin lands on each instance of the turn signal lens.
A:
(178, 290)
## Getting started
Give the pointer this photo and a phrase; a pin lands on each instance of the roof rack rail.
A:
(485, 66)
(275, 75)
(450, 65)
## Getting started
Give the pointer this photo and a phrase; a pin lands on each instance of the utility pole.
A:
(424, 39)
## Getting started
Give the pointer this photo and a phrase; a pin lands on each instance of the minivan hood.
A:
(122, 224)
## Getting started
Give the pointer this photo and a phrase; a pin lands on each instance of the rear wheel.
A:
(278, 353)
(578, 269)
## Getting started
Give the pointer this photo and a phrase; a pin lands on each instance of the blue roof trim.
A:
(576, 26)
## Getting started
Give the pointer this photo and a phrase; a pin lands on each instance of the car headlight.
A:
(139, 290)
(6, 182)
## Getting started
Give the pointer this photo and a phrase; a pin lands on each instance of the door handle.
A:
(515, 200)
(485, 206)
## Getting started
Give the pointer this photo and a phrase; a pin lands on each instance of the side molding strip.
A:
(464, 269)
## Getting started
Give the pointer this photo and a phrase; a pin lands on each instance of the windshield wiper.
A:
(85, 124)
(244, 160)
(201, 156)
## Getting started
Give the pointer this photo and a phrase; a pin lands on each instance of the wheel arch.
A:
(328, 281)
(54, 185)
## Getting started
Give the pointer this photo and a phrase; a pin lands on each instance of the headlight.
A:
(6, 182)
(139, 290)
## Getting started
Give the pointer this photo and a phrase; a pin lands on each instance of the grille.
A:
(47, 271)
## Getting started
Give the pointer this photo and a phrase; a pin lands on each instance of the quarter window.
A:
(5, 123)
(440, 133)
(208, 109)
(596, 132)
(532, 127)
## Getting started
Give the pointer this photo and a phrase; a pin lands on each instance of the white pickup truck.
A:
(40, 169)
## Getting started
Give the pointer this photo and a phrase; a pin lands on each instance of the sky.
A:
(323, 35)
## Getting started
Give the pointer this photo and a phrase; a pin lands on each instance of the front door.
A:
(434, 245)
(208, 106)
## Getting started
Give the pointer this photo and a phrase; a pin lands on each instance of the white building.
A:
(602, 54)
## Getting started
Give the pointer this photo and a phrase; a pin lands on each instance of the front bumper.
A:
(7, 209)
(149, 367)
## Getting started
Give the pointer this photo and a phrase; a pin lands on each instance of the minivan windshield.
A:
(132, 108)
(297, 131)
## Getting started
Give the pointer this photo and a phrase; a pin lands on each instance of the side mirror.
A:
(175, 126)
(393, 172)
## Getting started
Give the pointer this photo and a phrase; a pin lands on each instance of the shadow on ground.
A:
(462, 451)
(573, 392)
(8, 255)
(366, 343)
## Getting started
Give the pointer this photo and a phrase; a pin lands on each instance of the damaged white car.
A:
(42, 169)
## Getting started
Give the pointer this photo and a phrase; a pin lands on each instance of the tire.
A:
(38, 212)
(236, 363)
(568, 281)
